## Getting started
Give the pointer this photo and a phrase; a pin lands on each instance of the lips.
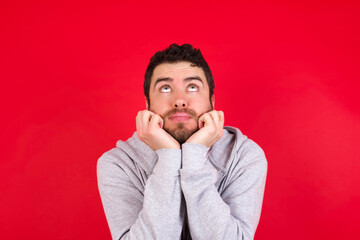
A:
(181, 116)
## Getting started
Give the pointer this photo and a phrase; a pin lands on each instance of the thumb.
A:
(201, 121)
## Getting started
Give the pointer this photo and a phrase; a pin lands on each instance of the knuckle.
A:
(213, 131)
(151, 131)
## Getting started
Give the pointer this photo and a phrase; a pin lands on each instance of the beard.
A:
(180, 132)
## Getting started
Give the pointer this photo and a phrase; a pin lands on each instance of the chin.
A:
(180, 132)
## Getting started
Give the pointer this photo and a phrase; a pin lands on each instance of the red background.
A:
(286, 74)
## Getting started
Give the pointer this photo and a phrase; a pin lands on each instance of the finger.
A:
(221, 117)
(146, 117)
(156, 120)
(205, 120)
(215, 116)
(201, 122)
(138, 120)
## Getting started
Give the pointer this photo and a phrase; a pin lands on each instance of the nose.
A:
(180, 104)
(180, 101)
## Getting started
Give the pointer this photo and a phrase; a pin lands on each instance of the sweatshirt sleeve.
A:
(235, 213)
(131, 214)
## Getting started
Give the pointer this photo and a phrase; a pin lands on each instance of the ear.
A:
(146, 104)
(213, 101)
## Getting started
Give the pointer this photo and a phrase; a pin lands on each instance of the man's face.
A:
(179, 93)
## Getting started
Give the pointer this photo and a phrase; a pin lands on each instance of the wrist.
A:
(168, 163)
(194, 156)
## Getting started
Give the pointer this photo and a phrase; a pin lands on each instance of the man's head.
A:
(175, 53)
(179, 87)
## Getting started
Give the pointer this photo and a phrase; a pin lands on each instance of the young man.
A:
(182, 175)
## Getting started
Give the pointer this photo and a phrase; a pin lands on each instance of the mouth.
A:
(180, 117)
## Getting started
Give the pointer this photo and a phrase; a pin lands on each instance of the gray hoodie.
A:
(188, 193)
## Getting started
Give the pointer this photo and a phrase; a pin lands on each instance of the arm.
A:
(155, 214)
(235, 213)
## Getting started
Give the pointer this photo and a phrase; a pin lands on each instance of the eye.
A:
(193, 88)
(165, 89)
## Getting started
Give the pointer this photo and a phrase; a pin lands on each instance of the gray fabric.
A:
(170, 194)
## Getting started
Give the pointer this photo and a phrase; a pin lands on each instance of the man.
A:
(182, 175)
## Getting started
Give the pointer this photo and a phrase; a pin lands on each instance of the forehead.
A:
(177, 71)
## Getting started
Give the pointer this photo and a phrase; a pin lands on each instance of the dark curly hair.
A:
(175, 53)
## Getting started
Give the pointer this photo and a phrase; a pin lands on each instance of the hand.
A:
(210, 128)
(149, 130)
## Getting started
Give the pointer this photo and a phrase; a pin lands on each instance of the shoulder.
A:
(242, 144)
(114, 156)
(122, 154)
(236, 150)
(248, 162)
(116, 161)
(250, 151)
(113, 162)
(130, 157)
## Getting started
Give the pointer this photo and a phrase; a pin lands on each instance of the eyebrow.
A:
(186, 80)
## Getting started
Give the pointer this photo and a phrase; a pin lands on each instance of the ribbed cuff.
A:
(169, 162)
(193, 156)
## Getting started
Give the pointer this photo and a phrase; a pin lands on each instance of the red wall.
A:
(287, 74)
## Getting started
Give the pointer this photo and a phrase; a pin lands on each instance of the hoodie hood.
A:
(140, 152)
(222, 152)
(220, 155)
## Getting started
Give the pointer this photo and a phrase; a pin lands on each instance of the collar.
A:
(220, 154)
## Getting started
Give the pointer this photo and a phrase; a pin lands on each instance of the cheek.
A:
(158, 106)
(201, 106)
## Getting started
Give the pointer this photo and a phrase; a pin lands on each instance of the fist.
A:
(210, 128)
(149, 129)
